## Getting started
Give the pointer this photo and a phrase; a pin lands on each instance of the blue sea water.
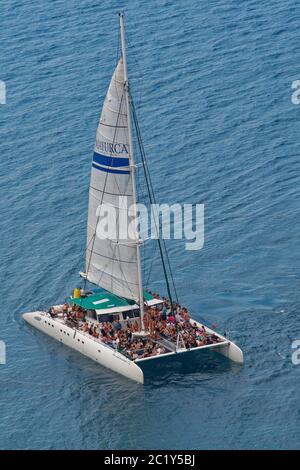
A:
(212, 82)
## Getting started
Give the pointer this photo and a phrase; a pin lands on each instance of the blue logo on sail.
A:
(110, 164)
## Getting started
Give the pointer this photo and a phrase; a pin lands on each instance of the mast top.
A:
(123, 47)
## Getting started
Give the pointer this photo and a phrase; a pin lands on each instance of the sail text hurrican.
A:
(111, 148)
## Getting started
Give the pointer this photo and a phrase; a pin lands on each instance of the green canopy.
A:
(101, 301)
(105, 300)
(148, 296)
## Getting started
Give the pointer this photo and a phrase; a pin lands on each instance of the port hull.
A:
(83, 343)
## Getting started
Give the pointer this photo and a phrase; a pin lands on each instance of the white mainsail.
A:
(112, 262)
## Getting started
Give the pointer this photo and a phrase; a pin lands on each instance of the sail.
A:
(111, 262)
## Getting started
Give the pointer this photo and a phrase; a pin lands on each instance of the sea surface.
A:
(212, 84)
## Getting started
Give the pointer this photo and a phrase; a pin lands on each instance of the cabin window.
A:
(106, 317)
(131, 314)
(91, 314)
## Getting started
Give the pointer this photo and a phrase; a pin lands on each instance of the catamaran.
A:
(116, 322)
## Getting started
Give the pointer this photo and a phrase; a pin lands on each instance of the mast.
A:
(132, 165)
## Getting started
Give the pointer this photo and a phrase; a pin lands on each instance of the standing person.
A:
(128, 334)
(164, 313)
(51, 312)
(65, 310)
(117, 325)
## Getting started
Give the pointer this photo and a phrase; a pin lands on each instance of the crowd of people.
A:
(167, 323)
(162, 328)
(123, 338)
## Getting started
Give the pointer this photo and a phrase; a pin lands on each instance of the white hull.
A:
(85, 344)
(227, 349)
(109, 357)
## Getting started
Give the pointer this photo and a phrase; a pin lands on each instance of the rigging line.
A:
(113, 259)
(153, 194)
(142, 191)
(105, 181)
(131, 46)
(151, 265)
(118, 47)
(171, 273)
(118, 127)
(152, 199)
(115, 246)
(118, 216)
(149, 252)
(112, 275)
(129, 288)
(120, 265)
(165, 250)
(102, 272)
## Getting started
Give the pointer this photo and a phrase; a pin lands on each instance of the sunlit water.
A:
(213, 87)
